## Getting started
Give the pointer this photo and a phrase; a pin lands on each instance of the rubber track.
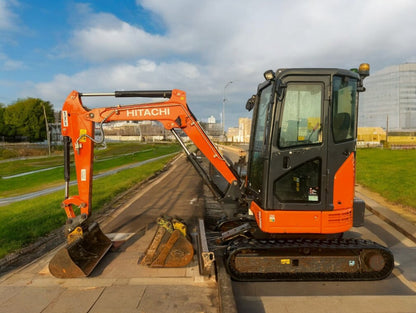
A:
(355, 245)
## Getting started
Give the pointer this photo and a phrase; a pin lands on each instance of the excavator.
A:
(286, 219)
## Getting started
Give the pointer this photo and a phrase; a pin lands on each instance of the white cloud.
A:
(11, 65)
(208, 43)
(249, 34)
(7, 16)
(144, 74)
(108, 38)
(7, 64)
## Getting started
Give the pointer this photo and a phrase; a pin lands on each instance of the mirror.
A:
(251, 102)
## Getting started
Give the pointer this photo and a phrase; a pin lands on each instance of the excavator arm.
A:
(78, 127)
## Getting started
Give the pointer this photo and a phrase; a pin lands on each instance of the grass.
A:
(9, 168)
(391, 173)
(39, 181)
(24, 222)
(13, 167)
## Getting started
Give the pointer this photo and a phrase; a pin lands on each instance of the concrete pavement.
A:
(118, 284)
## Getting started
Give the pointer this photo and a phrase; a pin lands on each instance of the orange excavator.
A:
(286, 219)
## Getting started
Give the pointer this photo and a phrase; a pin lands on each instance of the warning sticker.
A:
(65, 118)
(313, 194)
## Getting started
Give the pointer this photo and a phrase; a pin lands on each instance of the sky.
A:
(49, 48)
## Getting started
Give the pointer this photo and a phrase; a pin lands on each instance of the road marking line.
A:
(411, 285)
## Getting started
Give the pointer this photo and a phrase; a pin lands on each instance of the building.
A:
(211, 120)
(233, 134)
(212, 128)
(244, 128)
(240, 133)
(148, 131)
(370, 136)
(390, 99)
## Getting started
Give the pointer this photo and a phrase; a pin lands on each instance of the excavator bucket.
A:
(84, 250)
(170, 246)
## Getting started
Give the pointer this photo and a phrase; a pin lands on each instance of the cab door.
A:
(297, 177)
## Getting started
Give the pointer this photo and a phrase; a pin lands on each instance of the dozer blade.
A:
(168, 249)
(81, 256)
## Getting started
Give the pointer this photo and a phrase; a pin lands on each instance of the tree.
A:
(3, 126)
(25, 118)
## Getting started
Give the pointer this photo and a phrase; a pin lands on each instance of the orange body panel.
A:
(78, 124)
(324, 222)
(278, 221)
(302, 222)
(344, 181)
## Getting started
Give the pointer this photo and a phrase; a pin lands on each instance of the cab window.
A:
(343, 108)
(301, 115)
(255, 177)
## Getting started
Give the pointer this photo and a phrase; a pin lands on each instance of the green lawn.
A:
(13, 167)
(114, 156)
(391, 173)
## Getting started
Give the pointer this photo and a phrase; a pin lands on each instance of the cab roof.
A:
(280, 73)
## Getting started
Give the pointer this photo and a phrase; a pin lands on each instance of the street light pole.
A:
(223, 108)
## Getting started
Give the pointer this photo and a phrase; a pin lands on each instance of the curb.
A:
(392, 218)
(225, 289)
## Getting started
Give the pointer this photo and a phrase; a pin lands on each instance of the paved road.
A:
(119, 283)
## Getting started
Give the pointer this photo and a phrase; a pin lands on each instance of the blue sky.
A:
(48, 48)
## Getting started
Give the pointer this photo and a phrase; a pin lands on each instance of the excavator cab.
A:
(300, 182)
(303, 145)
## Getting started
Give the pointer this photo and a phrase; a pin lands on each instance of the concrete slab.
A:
(7, 292)
(116, 297)
(186, 299)
(30, 300)
(74, 301)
